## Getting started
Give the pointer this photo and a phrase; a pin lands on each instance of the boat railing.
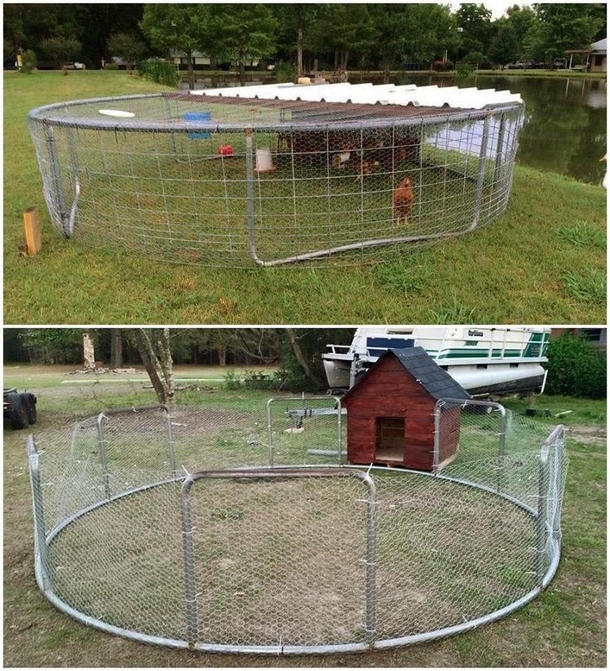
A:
(337, 349)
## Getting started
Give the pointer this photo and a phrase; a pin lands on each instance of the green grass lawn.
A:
(565, 627)
(543, 261)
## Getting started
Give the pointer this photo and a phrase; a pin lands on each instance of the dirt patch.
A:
(588, 434)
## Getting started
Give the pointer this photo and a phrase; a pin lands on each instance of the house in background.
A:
(390, 412)
(595, 57)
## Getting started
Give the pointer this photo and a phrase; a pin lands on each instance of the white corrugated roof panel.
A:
(385, 94)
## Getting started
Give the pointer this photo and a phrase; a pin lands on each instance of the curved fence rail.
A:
(290, 559)
(235, 182)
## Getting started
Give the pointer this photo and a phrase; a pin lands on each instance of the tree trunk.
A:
(190, 71)
(222, 356)
(298, 352)
(88, 351)
(386, 71)
(344, 60)
(300, 52)
(154, 348)
(116, 348)
(242, 73)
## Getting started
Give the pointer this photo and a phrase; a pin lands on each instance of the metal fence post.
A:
(190, 594)
(481, 173)
(38, 511)
(270, 432)
(250, 192)
(437, 434)
(499, 148)
(559, 457)
(501, 449)
(170, 440)
(339, 432)
(103, 446)
(541, 520)
(371, 560)
(56, 180)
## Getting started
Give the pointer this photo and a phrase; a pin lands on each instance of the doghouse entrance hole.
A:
(390, 439)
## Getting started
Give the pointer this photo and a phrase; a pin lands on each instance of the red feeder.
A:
(225, 150)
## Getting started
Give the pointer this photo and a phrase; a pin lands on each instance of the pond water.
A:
(565, 128)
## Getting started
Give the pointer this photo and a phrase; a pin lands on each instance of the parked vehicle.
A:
(19, 408)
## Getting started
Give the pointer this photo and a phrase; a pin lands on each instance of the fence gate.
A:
(305, 430)
(279, 559)
(133, 441)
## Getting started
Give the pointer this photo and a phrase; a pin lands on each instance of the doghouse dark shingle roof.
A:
(436, 381)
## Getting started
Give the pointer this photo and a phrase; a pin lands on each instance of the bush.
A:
(232, 381)
(111, 66)
(465, 70)
(258, 380)
(29, 61)
(285, 72)
(576, 368)
(159, 71)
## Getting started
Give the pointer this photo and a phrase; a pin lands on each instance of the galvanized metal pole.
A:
(270, 432)
(38, 510)
(250, 193)
(498, 166)
(481, 173)
(437, 435)
(190, 592)
(501, 448)
(103, 446)
(541, 520)
(339, 431)
(371, 561)
(56, 179)
(170, 440)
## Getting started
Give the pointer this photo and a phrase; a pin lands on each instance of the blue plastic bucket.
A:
(199, 117)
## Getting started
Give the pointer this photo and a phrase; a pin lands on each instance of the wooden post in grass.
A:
(33, 239)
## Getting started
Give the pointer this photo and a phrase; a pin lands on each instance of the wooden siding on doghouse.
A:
(389, 390)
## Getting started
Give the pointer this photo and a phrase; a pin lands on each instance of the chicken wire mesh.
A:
(233, 182)
(174, 527)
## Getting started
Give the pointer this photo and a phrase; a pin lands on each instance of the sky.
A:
(498, 7)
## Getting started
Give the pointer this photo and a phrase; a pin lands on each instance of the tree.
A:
(126, 47)
(294, 23)
(504, 46)
(390, 22)
(116, 348)
(243, 32)
(475, 23)
(562, 26)
(177, 28)
(61, 49)
(88, 350)
(576, 368)
(153, 346)
(521, 20)
(54, 345)
(343, 30)
(301, 355)
(431, 31)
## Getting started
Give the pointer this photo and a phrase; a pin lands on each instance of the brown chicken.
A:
(403, 200)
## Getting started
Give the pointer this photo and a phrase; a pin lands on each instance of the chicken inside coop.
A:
(403, 200)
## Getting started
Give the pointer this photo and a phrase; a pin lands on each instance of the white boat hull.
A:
(488, 361)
